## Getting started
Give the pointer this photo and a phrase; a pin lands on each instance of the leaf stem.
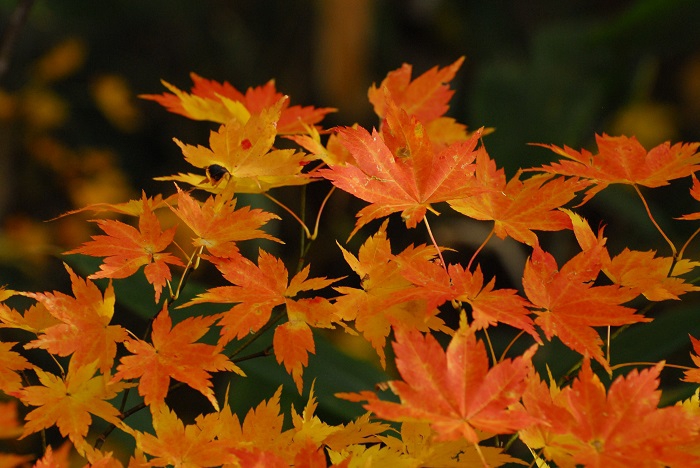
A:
(188, 270)
(682, 251)
(288, 210)
(480, 248)
(432, 238)
(643, 363)
(674, 252)
(512, 342)
(491, 350)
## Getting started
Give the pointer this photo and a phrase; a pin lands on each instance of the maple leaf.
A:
(519, 207)
(131, 207)
(623, 160)
(243, 151)
(69, 402)
(257, 289)
(88, 314)
(178, 445)
(10, 362)
(419, 442)
(399, 170)
(425, 97)
(489, 305)
(649, 275)
(386, 297)
(220, 102)
(173, 353)
(126, 249)
(453, 390)
(584, 425)
(35, 319)
(262, 427)
(695, 193)
(333, 153)
(570, 306)
(693, 375)
(642, 272)
(218, 225)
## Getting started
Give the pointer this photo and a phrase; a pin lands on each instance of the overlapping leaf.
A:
(583, 425)
(419, 442)
(490, 305)
(386, 297)
(426, 98)
(399, 170)
(126, 249)
(454, 390)
(175, 444)
(68, 403)
(88, 314)
(221, 102)
(657, 278)
(218, 225)
(257, 289)
(174, 353)
(519, 207)
(243, 152)
(570, 305)
(10, 363)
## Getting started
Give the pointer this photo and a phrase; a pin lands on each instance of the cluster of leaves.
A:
(453, 403)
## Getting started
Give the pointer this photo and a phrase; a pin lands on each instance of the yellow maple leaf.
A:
(68, 402)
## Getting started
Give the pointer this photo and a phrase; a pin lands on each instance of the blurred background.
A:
(73, 132)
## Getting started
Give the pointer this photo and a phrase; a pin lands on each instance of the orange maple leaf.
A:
(400, 170)
(244, 154)
(10, 362)
(88, 314)
(218, 225)
(693, 375)
(386, 297)
(623, 160)
(519, 207)
(35, 319)
(69, 402)
(55, 458)
(220, 102)
(131, 207)
(489, 305)
(178, 445)
(262, 426)
(695, 193)
(126, 249)
(419, 442)
(426, 97)
(173, 353)
(657, 278)
(570, 306)
(258, 289)
(453, 390)
(582, 425)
